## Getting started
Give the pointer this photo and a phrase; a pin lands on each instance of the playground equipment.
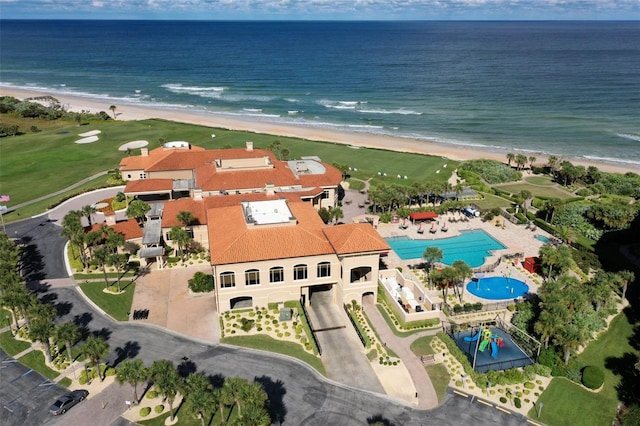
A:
(488, 339)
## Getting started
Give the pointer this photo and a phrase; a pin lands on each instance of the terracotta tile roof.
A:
(355, 238)
(147, 185)
(231, 241)
(173, 207)
(138, 162)
(128, 228)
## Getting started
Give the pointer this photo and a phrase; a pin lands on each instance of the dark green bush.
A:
(503, 400)
(517, 402)
(201, 283)
(592, 377)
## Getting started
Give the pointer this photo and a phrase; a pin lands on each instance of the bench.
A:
(428, 359)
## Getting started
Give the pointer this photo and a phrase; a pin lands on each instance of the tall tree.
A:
(181, 238)
(626, 278)
(432, 255)
(72, 229)
(42, 331)
(186, 218)
(69, 333)
(510, 157)
(113, 110)
(119, 262)
(101, 256)
(88, 211)
(532, 160)
(235, 386)
(167, 381)
(138, 209)
(199, 395)
(94, 349)
(336, 214)
(463, 273)
(224, 399)
(133, 372)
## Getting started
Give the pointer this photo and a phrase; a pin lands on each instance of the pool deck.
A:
(516, 239)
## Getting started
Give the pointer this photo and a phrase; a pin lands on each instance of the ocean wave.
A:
(629, 136)
(204, 92)
(611, 160)
(390, 111)
(252, 109)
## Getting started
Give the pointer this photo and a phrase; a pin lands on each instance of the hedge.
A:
(592, 377)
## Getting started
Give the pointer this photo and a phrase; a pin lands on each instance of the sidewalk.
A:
(427, 397)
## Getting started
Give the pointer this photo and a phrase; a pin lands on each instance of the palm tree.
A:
(458, 188)
(167, 381)
(234, 386)
(113, 110)
(510, 157)
(138, 209)
(224, 399)
(42, 330)
(114, 240)
(532, 160)
(199, 394)
(253, 396)
(336, 214)
(181, 238)
(521, 160)
(101, 255)
(464, 272)
(255, 416)
(186, 218)
(94, 349)
(88, 211)
(132, 371)
(432, 254)
(118, 261)
(69, 333)
(626, 278)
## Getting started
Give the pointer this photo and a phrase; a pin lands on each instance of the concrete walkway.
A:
(427, 397)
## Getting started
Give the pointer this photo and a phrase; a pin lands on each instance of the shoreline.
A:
(127, 112)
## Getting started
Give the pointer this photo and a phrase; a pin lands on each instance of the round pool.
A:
(497, 288)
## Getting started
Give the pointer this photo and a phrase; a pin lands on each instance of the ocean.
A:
(570, 89)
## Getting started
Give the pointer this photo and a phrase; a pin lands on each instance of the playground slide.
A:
(472, 339)
(483, 345)
(494, 349)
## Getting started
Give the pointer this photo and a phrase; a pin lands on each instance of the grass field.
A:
(36, 164)
(538, 191)
(565, 400)
(539, 180)
(270, 344)
(116, 305)
(12, 346)
(35, 361)
(491, 201)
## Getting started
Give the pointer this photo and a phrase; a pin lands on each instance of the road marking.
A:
(485, 403)
(503, 410)
(534, 423)
(461, 394)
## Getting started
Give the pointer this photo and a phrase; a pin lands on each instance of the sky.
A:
(323, 9)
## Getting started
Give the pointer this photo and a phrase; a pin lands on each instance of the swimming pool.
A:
(497, 288)
(543, 238)
(471, 246)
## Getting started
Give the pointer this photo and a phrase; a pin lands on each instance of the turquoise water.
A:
(498, 288)
(543, 239)
(471, 246)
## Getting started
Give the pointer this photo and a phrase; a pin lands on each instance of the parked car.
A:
(64, 403)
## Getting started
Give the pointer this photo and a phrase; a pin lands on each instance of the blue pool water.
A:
(497, 288)
(471, 246)
(543, 239)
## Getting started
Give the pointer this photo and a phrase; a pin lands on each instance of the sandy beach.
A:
(135, 112)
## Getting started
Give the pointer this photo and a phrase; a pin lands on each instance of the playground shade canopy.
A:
(423, 215)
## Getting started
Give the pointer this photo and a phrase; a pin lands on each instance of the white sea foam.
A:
(611, 160)
(390, 111)
(252, 109)
(293, 100)
(629, 136)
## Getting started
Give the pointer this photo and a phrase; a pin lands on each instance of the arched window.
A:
(324, 269)
(276, 274)
(227, 279)
(252, 277)
(361, 274)
(300, 272)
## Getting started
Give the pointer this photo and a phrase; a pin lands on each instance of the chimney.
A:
(270, 189)
(110, 218)
(144, 152)
(249, 146)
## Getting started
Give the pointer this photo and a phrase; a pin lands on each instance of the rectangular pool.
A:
(471, 246)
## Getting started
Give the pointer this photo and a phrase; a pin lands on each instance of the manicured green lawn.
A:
(270, 344)
(12, 346)
(116, 305)
(539, 180)
(422, 346)
(36, 164)
(439, 378)
(35, 361)
(491, 201)
(538, 191)
(568, 403)
(185, 419)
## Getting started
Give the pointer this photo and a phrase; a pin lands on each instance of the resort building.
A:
(258, 218)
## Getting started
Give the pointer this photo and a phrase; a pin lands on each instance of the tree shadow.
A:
(83, 320)
(129, 350)
(275, 392)
(103, 333)
(378, 419)
(186, 367)
(32, 264)
(629, 387)
(63, 308)
(216, 380)
(39, 287)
